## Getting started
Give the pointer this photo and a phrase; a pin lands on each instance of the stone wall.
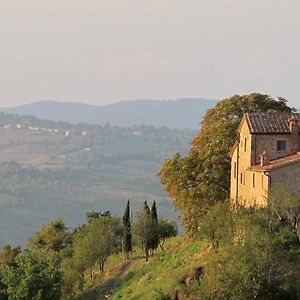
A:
(287, 177)
(255, 190)
(268, 143)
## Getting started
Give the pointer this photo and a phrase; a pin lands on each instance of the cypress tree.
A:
(147, 229)
(154, 242)
(127, 245)
(146, 208)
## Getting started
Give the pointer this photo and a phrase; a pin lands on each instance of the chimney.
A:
(293, 125)
(264, 159)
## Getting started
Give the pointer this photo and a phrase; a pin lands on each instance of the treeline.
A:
(59, 263)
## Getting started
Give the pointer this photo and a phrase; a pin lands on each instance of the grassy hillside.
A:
(236, 255)
(162, 277)
(46, 174)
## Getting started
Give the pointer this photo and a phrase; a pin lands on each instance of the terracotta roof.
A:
(269, 122)
(277, 163)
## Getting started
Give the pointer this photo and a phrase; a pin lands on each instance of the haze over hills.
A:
(53, 169)
(181, 113)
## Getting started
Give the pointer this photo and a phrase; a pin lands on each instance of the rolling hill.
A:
(52, 169)
(181, 113)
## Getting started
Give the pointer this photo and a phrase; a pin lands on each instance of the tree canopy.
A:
(51, 237)
(202, 178)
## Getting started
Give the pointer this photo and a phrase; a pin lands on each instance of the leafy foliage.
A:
(92, 244)
(252, 262)
(166, 229)
(31, 278)
(8, 255)
(286, 206)
(52, 237)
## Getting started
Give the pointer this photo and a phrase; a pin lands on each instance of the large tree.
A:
(202, 178)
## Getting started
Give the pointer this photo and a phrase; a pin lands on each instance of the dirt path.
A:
(112, 281)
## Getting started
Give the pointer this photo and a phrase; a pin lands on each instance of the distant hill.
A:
(181, 113)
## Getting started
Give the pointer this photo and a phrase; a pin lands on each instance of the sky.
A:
(103, 51)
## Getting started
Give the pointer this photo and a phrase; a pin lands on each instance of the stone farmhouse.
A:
(266, 155)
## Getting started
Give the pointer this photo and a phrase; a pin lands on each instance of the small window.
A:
(234, 174)
(253, 179)
(262, 181)
(245, 145)
(281, 146)
(241, 177)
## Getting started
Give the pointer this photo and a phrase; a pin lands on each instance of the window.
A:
(245, 145)
(234, 175)
(241, 177)
(281, 146)
(253, 179)
(262, 181)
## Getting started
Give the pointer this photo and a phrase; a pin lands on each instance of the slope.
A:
(161, 278)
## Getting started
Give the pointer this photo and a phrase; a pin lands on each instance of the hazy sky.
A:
(102, 51)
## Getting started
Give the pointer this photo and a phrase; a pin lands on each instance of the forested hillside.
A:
(51, 170)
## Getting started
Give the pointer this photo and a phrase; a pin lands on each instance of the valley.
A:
(55, 169)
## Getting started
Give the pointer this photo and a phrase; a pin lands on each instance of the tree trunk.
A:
(146, 253)
(101, 264)
(81, 281)
(161, 245)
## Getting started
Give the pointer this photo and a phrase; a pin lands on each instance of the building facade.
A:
(266, 155)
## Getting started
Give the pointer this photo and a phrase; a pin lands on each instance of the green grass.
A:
(161, 276)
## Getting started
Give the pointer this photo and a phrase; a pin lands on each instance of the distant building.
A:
(33, 128)
(67, 133)
(7, 126)
(18, 126)
(137, 133)
(84, 133)
(266, 155)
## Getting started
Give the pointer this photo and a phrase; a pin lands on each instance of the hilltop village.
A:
(40, 130)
